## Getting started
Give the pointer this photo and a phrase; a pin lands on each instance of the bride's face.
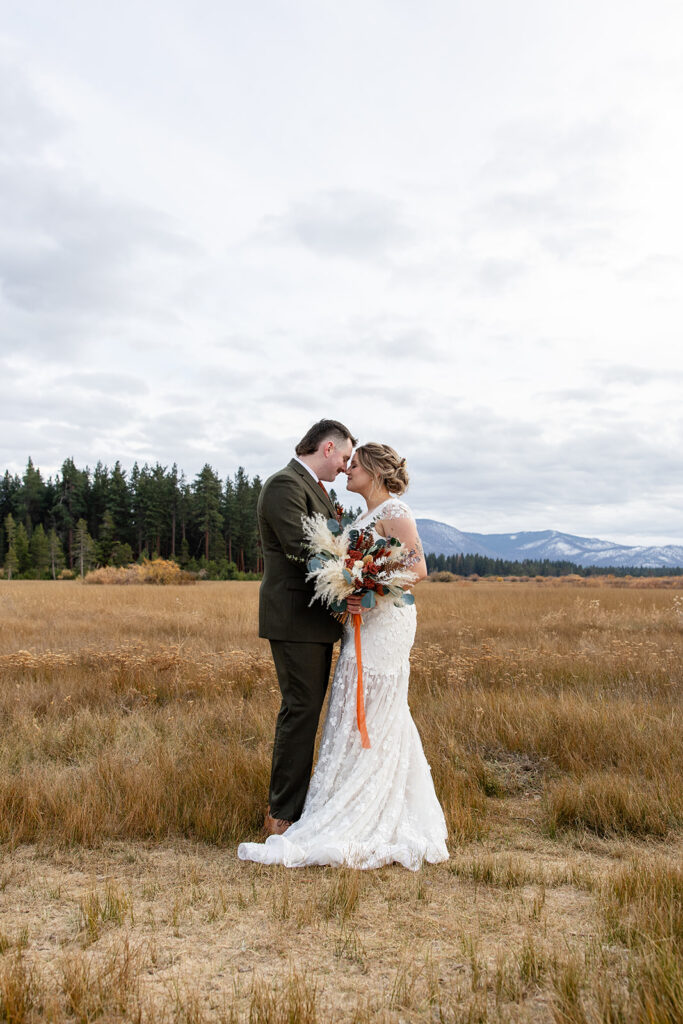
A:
(358, 479)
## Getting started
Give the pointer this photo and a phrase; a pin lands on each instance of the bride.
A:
(369, 807)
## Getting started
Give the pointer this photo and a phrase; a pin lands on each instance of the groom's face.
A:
(336, 457)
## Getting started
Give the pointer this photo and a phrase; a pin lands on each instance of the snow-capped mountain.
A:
(440, 538)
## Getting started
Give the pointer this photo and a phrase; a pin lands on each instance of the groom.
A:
(301, 637)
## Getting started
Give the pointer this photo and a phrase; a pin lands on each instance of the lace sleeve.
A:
(395, 509)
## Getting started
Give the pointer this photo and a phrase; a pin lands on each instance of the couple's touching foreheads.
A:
(370, 800)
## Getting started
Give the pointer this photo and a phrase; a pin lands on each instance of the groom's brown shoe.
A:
(274, 826)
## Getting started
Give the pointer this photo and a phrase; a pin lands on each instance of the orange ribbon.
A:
(360, 706)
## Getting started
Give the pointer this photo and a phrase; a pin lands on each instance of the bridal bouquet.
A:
(346, 561)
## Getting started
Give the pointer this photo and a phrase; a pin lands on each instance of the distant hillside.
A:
(441, 539)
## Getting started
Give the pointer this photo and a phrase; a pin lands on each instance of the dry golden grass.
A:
(135, 751)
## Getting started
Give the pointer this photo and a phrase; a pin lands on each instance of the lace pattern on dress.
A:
(388, 511)
(392, 508)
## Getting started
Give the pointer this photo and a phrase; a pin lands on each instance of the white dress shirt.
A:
(306, 466)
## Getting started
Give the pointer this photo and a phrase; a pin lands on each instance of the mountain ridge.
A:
(441, 539)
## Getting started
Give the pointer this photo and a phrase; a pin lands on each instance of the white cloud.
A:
(353, 224)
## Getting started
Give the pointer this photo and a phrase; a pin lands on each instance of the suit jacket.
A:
(284, 612)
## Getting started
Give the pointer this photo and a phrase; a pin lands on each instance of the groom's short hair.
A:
(320, 431)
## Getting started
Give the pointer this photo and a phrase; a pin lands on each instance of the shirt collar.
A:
(311, 471)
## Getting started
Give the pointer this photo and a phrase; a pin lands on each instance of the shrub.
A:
(159, 571)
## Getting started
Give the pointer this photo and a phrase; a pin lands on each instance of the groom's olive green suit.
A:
(301, 635)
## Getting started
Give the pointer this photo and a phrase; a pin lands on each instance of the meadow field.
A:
(135, 743)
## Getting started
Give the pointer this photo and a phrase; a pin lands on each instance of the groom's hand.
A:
(353, 604)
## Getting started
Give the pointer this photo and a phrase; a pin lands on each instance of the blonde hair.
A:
(384, 465)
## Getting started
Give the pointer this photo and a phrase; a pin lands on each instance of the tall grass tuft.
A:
(20, 990)
(642, 905)
(608, 804)
(294, 1002)
(102, 986)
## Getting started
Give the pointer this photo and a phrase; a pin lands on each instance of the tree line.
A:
(482, 565)
(84, 518)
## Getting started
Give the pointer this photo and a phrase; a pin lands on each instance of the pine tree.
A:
(119, 504)
(10, 486)
(229, 515)
(105, 535)
(242, 518)
(40, 551)
(136, 517)
(184, 506)
(157, 511)
(24, 561)
(85, 547)
(98, 495)
(55, 552)
(71, 502)
(31, 497)
(11, 556)
(254, 547)
(207, 506)
(173, 498)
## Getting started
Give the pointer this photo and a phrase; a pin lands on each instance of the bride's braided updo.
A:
(384, 465)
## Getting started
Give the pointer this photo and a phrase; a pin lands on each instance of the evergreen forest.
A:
(84, 518)
(482, 565)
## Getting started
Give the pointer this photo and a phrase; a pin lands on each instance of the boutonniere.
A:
(339, 512)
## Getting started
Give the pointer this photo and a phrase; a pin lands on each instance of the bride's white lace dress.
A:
(365, 808)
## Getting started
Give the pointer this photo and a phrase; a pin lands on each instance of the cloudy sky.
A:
(456, 226)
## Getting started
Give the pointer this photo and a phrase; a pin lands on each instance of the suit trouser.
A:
(303, 672)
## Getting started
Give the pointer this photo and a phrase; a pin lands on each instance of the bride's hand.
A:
(353, 605)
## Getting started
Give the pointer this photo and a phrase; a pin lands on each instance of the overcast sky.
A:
(456, 226)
